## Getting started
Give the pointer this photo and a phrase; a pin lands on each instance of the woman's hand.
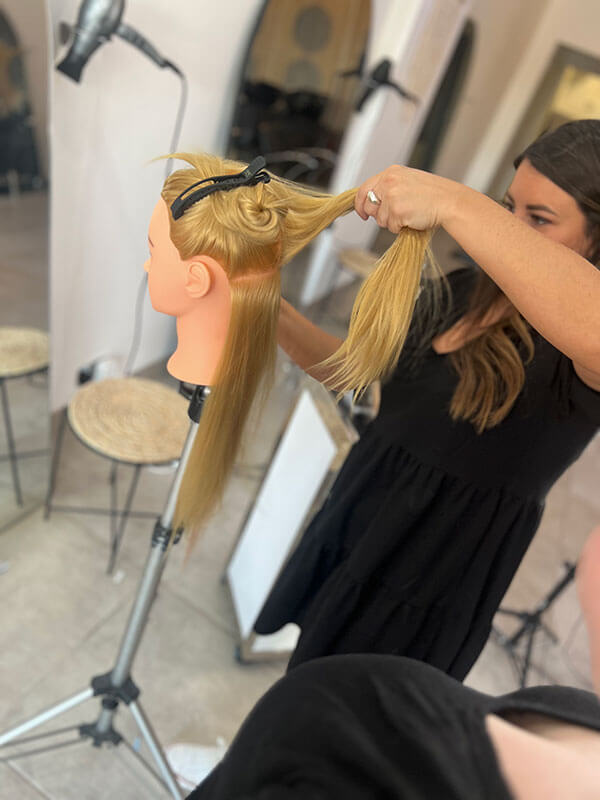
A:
(541, 277)
(408, 198)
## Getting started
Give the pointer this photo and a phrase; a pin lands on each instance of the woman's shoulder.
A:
(553, 369)
(460, 281)
(462, 278)
(441, 302)
(455, 289)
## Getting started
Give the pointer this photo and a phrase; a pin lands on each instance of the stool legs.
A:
(118, 517)
(12, 453)
(54, 466)
(117, 525)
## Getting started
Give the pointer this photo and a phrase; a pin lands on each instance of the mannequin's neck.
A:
(200, 343)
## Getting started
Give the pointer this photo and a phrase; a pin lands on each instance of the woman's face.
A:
(543, 205)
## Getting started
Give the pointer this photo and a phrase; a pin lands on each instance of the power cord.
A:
(141, 293)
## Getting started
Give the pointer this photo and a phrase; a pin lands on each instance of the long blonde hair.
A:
(491, 366)
(253, 231)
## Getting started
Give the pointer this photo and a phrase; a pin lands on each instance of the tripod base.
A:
(531, 623)
(116, 686)
(101, 732)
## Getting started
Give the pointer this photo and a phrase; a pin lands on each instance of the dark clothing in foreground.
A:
(361, 727)
(428, 520)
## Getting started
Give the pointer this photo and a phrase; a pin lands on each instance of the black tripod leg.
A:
(532, 622)
(527, 659)
(12, 454)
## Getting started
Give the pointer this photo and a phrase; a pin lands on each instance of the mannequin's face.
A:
(174, 284)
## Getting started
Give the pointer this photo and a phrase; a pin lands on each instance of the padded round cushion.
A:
(134, 420)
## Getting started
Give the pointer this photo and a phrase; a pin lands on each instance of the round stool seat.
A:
(22, 351)
(360, 262)
(130, 419)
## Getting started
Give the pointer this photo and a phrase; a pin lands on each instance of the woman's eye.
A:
(508, 206)
(539, 220)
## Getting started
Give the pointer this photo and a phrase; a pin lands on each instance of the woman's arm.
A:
(555, 289)
(305, 343)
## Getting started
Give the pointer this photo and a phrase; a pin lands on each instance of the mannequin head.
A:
(194, 290)
(245, 235)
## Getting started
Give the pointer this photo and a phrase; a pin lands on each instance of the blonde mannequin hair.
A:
(252, 231)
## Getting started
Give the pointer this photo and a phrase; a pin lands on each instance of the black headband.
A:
(252, 175)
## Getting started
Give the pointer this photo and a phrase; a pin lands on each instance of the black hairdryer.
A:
(96, 22)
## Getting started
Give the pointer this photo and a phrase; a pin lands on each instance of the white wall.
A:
(104, 131)
(503, 31)
(573, 23)
(28, 18)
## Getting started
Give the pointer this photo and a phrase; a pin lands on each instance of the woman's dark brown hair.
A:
(491, 366)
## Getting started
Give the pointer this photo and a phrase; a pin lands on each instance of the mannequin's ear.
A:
(198, 279)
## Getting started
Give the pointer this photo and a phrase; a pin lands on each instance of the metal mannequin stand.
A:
(531, 623)
(117, 686)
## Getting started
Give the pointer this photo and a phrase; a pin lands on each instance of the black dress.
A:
(428, 520)
(366, 726)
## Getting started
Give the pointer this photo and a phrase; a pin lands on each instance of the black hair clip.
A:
(250, 176)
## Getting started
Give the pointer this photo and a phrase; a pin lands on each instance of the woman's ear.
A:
(198, 279)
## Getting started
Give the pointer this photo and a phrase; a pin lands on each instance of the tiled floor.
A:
(63, 617)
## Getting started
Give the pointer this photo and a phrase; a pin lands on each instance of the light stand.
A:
(531, 623)
(117, 686)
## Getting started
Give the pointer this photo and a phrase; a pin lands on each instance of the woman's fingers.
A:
(364, 203)
(383, 198)
(402, 197)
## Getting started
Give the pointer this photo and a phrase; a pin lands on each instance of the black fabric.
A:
(365, 726)
(428, 521)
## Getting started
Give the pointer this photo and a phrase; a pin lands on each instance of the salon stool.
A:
(23, 352)
(360, 262)
(131, 421)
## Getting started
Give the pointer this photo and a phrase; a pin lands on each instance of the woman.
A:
(437, 503)
(362, 726)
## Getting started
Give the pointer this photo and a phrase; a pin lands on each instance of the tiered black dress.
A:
(369, 726)
(428, 521)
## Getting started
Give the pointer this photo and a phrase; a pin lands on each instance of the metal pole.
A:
(117, 686)
(46, 715)
(152, 573)
(157, 753)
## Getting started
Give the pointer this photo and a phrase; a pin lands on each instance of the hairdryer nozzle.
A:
(72, 65)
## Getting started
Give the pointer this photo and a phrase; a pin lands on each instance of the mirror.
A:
(298, 86)
(263, 113)
(23, 259)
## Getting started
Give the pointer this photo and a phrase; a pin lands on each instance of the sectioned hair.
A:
(253, 231)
